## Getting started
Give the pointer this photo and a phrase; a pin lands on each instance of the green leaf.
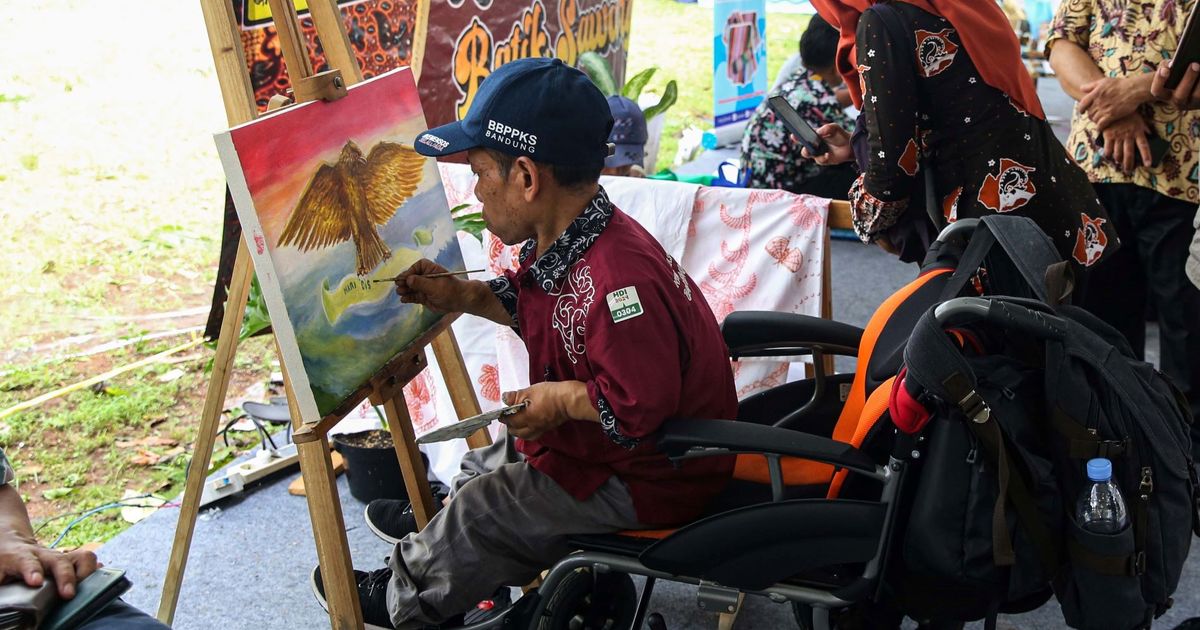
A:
(634, 85)
(597, 69)
(256, 319)
(670, 94)
(56, 493)
(470, 222)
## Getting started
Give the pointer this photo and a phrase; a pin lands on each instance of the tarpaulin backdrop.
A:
(380, 32)
(468, 39)
(739, 59)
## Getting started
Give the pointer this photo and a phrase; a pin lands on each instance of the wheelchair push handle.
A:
(1003, 313)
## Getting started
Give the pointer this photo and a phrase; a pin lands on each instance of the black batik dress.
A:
(987, 154)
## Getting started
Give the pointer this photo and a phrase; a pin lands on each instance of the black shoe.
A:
(390, 519)
(372, 596)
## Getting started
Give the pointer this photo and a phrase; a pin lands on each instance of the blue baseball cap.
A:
(538, 107)
(628, 134)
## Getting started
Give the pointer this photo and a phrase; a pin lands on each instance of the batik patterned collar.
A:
(551, 267)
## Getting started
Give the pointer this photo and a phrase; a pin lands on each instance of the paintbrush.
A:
(446, 274)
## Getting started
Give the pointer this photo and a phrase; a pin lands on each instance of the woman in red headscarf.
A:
(941, 85)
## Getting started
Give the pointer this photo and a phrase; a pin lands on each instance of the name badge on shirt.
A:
(624, 304)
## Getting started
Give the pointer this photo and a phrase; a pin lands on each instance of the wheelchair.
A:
(820, 486)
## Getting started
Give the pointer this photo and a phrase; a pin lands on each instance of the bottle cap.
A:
(1099, 469)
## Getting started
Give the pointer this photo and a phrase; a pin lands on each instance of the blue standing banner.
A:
(739, 59)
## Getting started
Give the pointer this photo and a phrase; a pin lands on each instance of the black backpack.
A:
(1022, 394)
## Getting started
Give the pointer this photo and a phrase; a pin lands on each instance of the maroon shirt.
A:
(606, 305)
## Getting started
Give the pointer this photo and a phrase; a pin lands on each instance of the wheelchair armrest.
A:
(766, 333)
(681, 436)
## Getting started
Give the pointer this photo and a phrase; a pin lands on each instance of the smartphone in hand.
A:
(1187, 51)
(802, 130)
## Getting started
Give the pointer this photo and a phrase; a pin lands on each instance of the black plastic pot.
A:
(373, 471)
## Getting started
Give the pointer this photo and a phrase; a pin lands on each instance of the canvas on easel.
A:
(334, 202)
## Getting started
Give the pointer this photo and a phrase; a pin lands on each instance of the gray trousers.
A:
(478, 461)
(502, 528)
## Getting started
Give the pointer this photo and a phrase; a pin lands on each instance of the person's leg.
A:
(393, 519)
(121, 616)
(478, 461)
(1115, 289)
(1164, 236)
(502, 529)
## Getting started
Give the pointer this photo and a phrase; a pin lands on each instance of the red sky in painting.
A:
(280, 153)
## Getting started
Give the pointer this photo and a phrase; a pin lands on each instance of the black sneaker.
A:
(372, 596)
(390, 519)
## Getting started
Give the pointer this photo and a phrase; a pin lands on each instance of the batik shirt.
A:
(607, 306)
(1127, 38)
(988, 156)
(772, 157)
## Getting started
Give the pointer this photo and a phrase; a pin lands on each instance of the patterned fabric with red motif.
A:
(988, 155)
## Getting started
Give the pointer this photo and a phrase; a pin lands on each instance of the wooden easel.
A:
(385, 388)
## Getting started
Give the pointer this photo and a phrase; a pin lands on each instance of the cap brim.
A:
(626, 154)
(444, 140)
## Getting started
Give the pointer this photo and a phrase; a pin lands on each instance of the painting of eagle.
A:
(333, 200)
(347, 200)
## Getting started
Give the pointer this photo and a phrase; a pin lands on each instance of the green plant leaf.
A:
(470, 222)
(597, 69)
(634, 85)
(670, 94)
(256, 318)
(56, 493)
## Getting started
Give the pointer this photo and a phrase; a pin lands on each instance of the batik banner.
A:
(739, 59)
(380, 33)
(468, 39)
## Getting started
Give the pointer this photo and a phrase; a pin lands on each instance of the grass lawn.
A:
(110, 192)
(677, 38)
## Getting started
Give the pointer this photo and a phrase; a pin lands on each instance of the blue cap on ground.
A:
(540, 108)
(1099, 469)
(628, 134)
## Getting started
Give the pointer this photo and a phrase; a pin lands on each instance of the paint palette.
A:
(463, 428)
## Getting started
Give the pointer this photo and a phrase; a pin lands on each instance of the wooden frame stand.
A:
(385, 388)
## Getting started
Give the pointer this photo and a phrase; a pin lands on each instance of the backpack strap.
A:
(936, 364)
(1031, 252)
(1082, 443)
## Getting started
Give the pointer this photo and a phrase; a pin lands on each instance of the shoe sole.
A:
(382, 536)
(312, 584)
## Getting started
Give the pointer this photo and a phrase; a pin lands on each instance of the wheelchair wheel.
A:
(585, 602)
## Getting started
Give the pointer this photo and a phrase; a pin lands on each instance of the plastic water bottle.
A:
(1101, 508)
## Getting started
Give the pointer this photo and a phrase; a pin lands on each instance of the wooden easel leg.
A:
(416, 480)
(329, 531)
(725, 621)
(214, 402)
(458, 382)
